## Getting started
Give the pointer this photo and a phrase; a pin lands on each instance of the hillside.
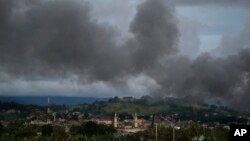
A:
(177, 108)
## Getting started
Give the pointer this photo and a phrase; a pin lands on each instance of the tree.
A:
(13, 127)
(1, 129)
(115, 99)
(91, 128)
(26, 132)
(76, 130)
(59, 133)
(47, 130)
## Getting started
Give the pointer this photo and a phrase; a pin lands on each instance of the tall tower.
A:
(135, 120)
(115, 121)
(54, 116)
(48, 110)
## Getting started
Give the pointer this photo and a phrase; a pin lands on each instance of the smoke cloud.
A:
(60, 39)
(155, 33)
(225, 79)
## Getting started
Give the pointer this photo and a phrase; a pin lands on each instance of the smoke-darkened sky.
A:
(109, 48)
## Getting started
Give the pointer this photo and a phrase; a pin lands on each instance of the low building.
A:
(128, 99)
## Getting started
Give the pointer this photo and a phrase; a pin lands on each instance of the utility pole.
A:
(173, 134)
(173, 128)
(156, 133)
(48, 110)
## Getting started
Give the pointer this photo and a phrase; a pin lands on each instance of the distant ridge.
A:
(58, 100)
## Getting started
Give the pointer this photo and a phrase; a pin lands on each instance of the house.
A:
(128, 99)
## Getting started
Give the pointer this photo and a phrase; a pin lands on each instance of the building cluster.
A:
(123, 125)
(129, 125)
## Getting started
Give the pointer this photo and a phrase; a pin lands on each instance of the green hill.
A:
(177, 108)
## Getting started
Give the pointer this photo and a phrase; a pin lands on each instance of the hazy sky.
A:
(109, 48)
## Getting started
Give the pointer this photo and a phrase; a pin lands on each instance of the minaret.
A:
(48, 110)
(54, 116)
(135, 120)
(115, 121)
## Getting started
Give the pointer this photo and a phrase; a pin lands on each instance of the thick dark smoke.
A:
(59, 38)
(208, 77)
(155, 33)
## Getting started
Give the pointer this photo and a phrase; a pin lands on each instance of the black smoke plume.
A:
(55, 39)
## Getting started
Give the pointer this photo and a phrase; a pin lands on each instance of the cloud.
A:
(63, 87)
(212, 2)
(231, 44)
